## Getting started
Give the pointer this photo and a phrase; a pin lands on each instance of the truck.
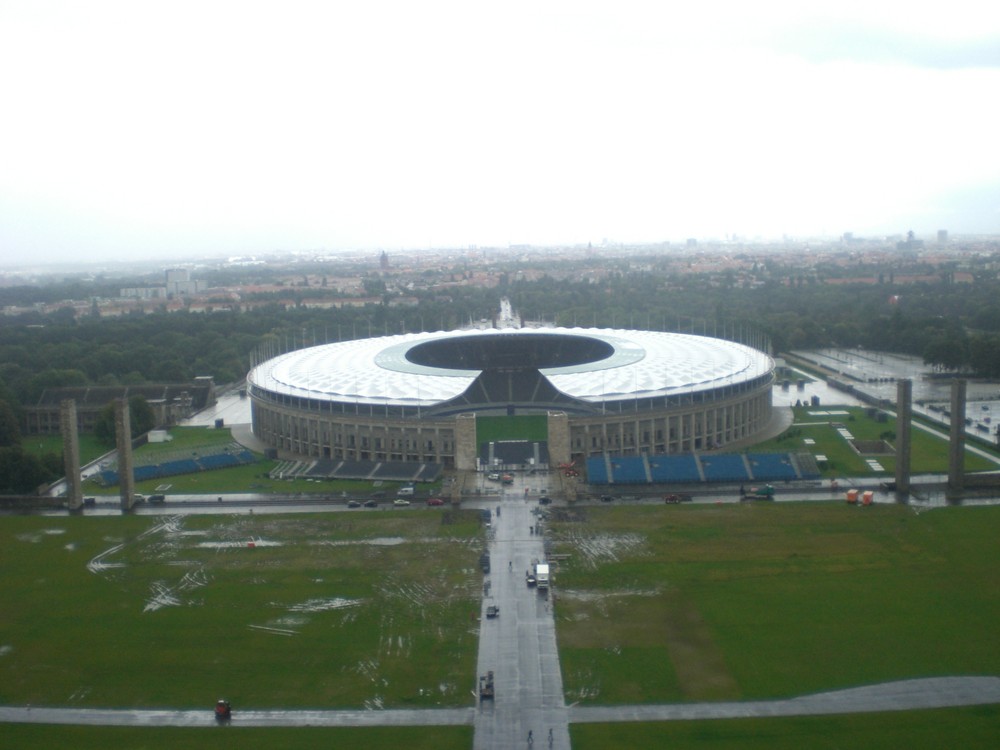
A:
(486, 692)
(542, 575)
(765, 492)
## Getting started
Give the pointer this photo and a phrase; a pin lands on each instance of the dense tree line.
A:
(952, 326)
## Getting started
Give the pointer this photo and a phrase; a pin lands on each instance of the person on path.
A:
(531, 739)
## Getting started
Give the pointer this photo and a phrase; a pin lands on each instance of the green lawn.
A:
(370, 609)
(526, 427)
(750, 601)
(363, 609)
(972, 727)
(223, 738)
(90, 448)
(928, 454)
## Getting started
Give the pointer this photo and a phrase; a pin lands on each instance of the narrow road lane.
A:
(519, 646)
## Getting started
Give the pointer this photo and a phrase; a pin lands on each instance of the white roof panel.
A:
(644, 364)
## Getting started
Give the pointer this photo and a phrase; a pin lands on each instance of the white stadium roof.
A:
(643, 364)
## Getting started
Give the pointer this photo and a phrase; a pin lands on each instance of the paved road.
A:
(519, 645)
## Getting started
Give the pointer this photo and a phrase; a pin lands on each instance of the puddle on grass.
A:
(595, 550)
(163, 595)
(6, 649)
(324, 605)
(378, 541)
(34, 537)
(99, 563)
(249, 543)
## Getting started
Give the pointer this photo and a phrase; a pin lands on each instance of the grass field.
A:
(90, 448)
(928, 455)
(338, 610)
(224, 738)
(974, 727)
(749, 601)
(527, 427)
(653, 604)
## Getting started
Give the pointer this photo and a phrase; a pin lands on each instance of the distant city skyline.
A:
(136, 131)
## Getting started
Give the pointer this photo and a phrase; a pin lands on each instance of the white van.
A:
(405, 491)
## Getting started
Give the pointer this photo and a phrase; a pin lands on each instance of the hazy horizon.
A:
(136, 131)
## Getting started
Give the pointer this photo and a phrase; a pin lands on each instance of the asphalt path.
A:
(519, 645)
(906, 695)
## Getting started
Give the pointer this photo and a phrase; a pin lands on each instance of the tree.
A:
(141, 420)
(10, 432)
(21, 472)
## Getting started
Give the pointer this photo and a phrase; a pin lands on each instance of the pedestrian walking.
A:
(531, 739)
(510, 565)
(550, 736)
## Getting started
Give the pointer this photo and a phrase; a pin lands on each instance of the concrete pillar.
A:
(123, 437)
(558, 437)
(904, 420)
(466, 448)
(71, 453)
(956, 446)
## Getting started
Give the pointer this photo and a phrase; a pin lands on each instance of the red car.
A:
(435, 501)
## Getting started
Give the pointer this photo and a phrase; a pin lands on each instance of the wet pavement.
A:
(519, 645)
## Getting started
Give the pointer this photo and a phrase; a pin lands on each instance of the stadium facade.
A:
(415, 397)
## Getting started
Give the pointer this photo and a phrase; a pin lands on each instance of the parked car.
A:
(544, 500)
(435, 501)
(607, 498)
(399, 501)
(493, 476)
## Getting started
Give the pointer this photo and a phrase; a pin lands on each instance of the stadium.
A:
(597, 392)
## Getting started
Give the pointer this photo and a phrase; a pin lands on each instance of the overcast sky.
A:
(166, 129)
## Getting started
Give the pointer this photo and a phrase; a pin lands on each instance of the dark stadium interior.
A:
(505, 352)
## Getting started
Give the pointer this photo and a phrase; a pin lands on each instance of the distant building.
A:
(178, 284)
(910, 243)
(942, 236)
(170, 402)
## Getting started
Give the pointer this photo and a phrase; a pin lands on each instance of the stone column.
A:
(466, 449)
(956, 446)
(71, 453)
(123, 437)
(558, 437)
(904, 420)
